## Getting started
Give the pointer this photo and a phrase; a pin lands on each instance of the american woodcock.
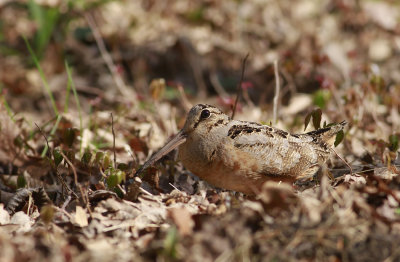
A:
(240, 155)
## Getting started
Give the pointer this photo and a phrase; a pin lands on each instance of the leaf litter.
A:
(70, 203)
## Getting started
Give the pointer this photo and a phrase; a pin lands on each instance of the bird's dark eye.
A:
(205, 114)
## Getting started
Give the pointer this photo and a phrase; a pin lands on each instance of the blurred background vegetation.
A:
(90, 89)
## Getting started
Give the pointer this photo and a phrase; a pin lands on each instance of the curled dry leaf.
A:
(355, 178)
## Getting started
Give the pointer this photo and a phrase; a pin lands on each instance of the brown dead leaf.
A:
(182, 219)
(386, 173)
(277, 195)
(138, 145)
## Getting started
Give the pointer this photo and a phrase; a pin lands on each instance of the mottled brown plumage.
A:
(240, 155)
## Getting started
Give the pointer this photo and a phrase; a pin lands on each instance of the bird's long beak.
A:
(179, 139)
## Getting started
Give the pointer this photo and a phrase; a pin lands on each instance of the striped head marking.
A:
(204, 117)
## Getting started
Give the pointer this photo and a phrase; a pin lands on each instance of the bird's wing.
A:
(277, 151)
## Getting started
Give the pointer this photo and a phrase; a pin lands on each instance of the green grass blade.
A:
(70, 80)
(6, 105)
(42, 76)
(46, 18)
(52, 132)
(66, 103)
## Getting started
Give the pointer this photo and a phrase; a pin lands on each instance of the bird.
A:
(240, 155)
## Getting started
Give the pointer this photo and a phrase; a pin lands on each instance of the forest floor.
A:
(89, 90)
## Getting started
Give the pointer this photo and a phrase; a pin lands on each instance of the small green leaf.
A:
(195, 15)
(339, 137)
(99, 157)
(115, 177)
(57, 157)
(119, 192)
(21, 182)
(69, 136)
(87, 156)
(393, 143)
(106, 161)
(316, 116)
(321, 98)
(112, 180)
(170, 243)
(123, 166)
(121, 175)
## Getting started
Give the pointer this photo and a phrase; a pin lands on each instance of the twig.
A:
(113, 133)
(62, 210)
(65, 186)
(347, 164)
(174, 187)
(239, 87)
(30, 204)
(145, 191)
(84, 199)
(41, 132)
(66, 202)
(107, 58)
(72, 167)
(277, 90)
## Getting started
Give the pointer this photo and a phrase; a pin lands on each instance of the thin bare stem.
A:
(277, 91)
(341, 158)
(239, 87)
(85, 199)
(107, 58)
(113, 133)
(45, 138)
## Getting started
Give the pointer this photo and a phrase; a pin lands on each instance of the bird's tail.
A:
(328, 134)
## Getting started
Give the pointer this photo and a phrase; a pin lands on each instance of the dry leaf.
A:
(80, 218)
(182, 219)
(4, 216)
